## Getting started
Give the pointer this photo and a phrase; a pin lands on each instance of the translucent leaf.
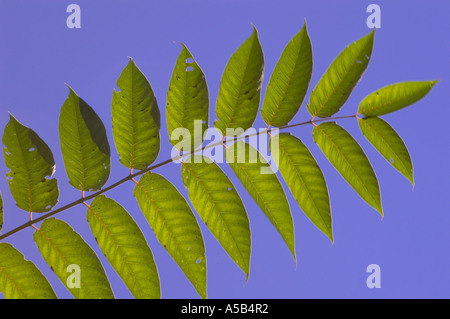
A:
(1, 213)
(187, 101)
(62, 249)
(31, 162)
(174, 225)
(20, 278)
(386, 140)
(349, 159)
(239, 93)
(305, 180)
(84, 145)
(125, 247)
(289, 81)
(340, 79)
(217, 202)
(135, 119)
(394, 97)
(263, 185)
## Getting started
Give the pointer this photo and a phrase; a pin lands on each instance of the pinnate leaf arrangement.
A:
(136, 130)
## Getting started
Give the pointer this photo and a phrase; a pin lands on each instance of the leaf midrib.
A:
(63, 258)
(305, 186)
(235, 104)
(216, 209)
(185, 260)
(333, 92)
(13, 282)
(124, 259)
(348, 163)
(284, 91)
(385, 143)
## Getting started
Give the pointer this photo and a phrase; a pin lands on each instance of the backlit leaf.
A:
(289, 81)
(386, 140)
(174, 225)
(217, 202)
(349, 159)
(125, 247)
(31, 164)
(135, 119)
(240, 88)
(394, 97)
(340, 79)
(187, 101)
(1, 213)
(263, 185)
(84, 145)
(305, 180)
(62, 249)
(20, 278)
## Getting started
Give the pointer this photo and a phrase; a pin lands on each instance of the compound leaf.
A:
(187, 101)
(84, 145)
(174, 225)
(125, 247)
(304, 178)
(30, 161)
(340, 79)
(262, 184)
(386, 140)
(394, 97)
(135, 119)
(239, 93)
(217, 202)
(20, 278)
(349, 159)
(62, 249)
(289, 81)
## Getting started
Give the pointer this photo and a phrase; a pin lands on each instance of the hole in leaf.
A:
(229, 188)
(391, 160)
(31, 149)
(189, 248)
(198, 261)
(357, 61)
(189, 69)
(189, 60)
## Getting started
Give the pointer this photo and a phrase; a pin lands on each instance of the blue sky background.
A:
(411, 244)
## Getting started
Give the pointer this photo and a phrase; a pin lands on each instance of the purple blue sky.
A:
(411, 244)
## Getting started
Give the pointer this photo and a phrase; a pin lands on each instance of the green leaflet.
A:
(386, 140)
(135, 119)
(349, 159)
(239, 93)
(305, 180)
(30, 161)
(263, 185)
(394, 97)
(84, 145)
(20, 278)
(340, 79)
(187, 101)
(125, 247)
(289, 81)
(174, 225)
(217, 202)
(1, 213)
(62, 248)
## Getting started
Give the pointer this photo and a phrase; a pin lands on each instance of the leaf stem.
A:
(131, 176)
